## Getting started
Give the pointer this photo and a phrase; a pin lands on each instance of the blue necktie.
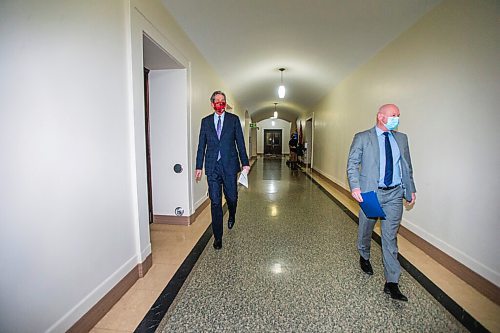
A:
(388, 161)
(219, 130)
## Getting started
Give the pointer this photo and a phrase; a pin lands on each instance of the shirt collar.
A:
(380, 132)
(216, 116)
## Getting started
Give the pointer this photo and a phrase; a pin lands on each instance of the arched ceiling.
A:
(286, 111)
(319, 42)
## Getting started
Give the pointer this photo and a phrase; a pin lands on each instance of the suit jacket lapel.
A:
(211, 124)
(400, 143)
(402, 148)
(374, 142)
(224, 125)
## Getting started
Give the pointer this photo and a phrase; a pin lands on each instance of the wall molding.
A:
(481, 284)
(99, 310)
(144, 266)
(478, 267)
(181, 220)
(145, 253)
(475, 280)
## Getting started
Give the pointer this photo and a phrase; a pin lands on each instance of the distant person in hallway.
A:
(292, 145)
(219, 145)
(379, 160)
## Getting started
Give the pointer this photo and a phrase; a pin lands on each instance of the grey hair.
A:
(217, 92)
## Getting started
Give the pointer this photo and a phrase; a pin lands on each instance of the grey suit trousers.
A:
(392, 204)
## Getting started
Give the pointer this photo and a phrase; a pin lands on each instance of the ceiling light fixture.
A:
(275, 112)
(281, 89)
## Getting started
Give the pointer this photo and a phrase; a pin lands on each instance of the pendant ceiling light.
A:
(281, 89)
(275, 112)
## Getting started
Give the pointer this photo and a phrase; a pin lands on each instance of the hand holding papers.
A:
(371, 206)
(243, 180)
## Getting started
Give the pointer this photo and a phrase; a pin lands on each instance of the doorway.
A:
(148, 144)
(308, 142)
(166, 121)
(272, 142)
(253, 141)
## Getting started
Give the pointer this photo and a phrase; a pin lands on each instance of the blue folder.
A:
(371, 206)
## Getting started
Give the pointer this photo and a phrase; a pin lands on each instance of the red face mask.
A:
(219, 106)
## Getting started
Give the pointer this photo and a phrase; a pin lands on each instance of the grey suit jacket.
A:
(363, 163)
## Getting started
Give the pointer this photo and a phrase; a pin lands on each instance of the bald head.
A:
(384, 112)
(389, 110)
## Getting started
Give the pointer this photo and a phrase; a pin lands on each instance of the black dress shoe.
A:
(230, 222)
(218, 244)
(392, 289)
(365, 265)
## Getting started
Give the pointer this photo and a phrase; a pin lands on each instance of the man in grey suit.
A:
(379, 160)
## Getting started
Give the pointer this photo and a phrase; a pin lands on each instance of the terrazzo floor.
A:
(290, 264)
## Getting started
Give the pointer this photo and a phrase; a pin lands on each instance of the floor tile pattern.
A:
(290, 265)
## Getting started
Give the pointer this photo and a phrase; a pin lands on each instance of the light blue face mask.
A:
(392, 123)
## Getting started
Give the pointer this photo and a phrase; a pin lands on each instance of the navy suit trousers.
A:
(218, 181)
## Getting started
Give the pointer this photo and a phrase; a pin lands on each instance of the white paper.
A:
(243, 180)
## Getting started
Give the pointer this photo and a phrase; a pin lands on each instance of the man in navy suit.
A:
(219, 145)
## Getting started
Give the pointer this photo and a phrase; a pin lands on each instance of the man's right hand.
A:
(356, 194)
(197, 175)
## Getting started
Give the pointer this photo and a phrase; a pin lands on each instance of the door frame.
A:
(140, 27)
(276, 130)
(310, 147)
(148, 144)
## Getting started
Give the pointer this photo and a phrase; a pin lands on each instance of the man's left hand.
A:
(246, 169)
(413, 198)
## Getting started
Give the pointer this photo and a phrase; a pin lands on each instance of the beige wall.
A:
(444, 74)
(73, 206)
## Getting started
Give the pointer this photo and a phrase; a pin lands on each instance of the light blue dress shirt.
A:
(216, 119)
(396, 158)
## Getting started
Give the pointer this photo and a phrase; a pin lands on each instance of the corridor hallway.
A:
(290, 264)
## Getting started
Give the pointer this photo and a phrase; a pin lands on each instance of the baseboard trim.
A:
(144, 267)
(332, 183)
(475, 280)
(174, 220)
(200, 209)
(99, 310)
(482, 285)
(181, 220)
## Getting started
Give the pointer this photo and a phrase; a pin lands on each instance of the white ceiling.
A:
(319, 42)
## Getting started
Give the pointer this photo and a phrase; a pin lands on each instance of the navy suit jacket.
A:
(231, 144)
